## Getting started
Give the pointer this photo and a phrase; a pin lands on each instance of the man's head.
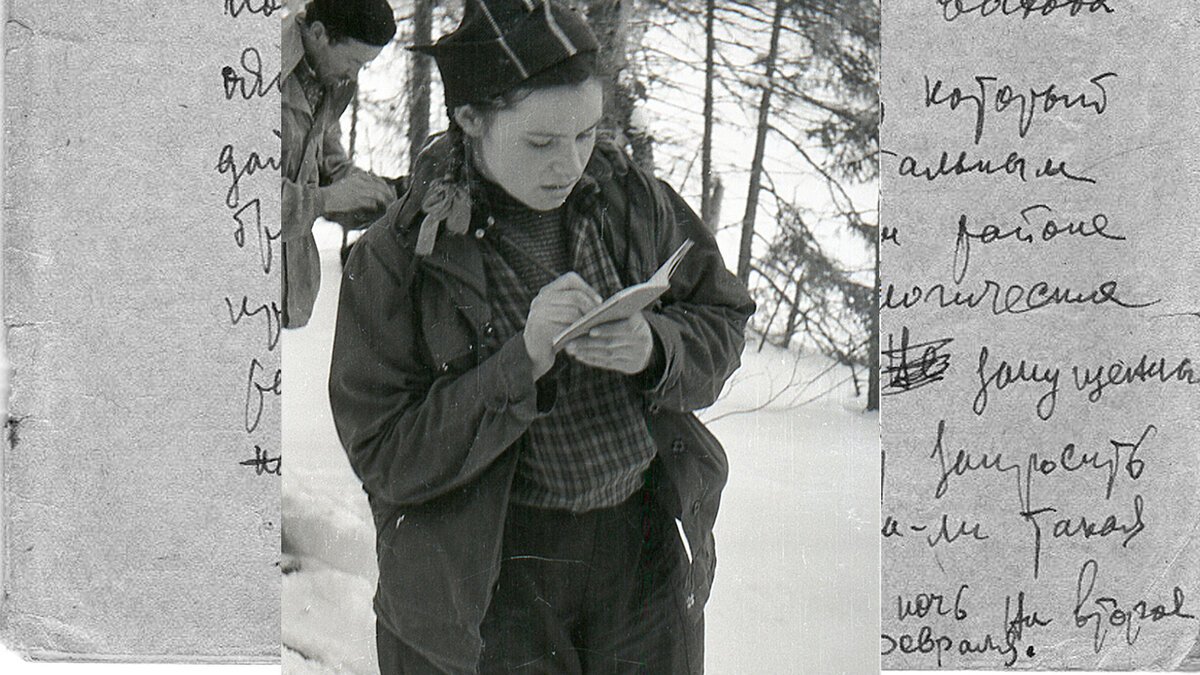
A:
(341, 36)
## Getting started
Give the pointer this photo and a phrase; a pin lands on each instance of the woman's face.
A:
(536, 149)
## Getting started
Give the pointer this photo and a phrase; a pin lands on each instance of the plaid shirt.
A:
(590, 450)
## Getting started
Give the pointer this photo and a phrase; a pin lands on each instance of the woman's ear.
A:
(471, 120)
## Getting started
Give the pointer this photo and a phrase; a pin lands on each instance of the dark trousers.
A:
(595, 593)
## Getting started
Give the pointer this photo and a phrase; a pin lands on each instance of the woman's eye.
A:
(540, 143)
(586, 135)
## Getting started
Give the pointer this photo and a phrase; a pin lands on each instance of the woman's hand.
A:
(624, 346)
(555, 308)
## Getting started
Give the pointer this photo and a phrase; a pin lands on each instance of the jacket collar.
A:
(291, 48)
(458, 255)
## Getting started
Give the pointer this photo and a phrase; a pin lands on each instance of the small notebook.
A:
(625, 302)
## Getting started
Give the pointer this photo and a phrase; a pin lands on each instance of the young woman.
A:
(526, 496)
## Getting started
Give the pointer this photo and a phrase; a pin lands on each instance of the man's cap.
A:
(369, 21)
(501, 43)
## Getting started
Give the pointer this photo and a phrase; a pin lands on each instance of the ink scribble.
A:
(913, 365)
(1013, 164)
(1012, 298)
(1126, 616)
(272, 317)
(264, 462)
(988, 96)
(228, 163)
(889, 235)
(249, 83)
(1023, 9)
(1039, 218)
(234, 8)
(256, 392)
(266, 238)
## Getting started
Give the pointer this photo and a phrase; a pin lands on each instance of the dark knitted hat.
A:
(369, 21)
(502, 43)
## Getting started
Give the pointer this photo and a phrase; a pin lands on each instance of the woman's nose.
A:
(569, 161)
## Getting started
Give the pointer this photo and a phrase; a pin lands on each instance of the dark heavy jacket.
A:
(427, 401)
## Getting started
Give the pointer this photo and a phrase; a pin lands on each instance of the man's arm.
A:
(345, 187)
(334, 186)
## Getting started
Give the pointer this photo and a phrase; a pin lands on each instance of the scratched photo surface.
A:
(1041, 491)
(796, 584)
(141, 517)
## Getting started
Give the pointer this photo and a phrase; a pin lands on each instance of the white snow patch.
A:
(329, 620)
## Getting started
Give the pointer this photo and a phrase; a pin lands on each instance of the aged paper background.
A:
(1035, 516)
(138, 523)
(146, 462)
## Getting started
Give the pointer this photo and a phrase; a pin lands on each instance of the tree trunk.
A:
(760, 142)
(873, 341)
(706, 186)
(353, 128)
(714, 205)
(610, 20)
(418, 81)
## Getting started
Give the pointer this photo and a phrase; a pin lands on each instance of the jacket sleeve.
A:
(413, 433)
(701, 320)
(301, 204)
(300, 200)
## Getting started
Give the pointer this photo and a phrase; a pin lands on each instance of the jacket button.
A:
(491, 220)
(696, 507)
(445, 367)
(691, 600)
(489, 330)
(480, 233)
(677, 446)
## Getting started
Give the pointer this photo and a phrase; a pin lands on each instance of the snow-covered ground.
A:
(797, 581)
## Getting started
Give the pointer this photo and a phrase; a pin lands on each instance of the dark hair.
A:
(335, 36)
(575, 70)
(369, 21)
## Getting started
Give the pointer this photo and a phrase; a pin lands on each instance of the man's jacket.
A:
(427, 402)
(311, 156)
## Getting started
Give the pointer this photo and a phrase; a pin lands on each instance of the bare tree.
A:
(418, 81)
(610, 20)
(760, 142)
(706, 169)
